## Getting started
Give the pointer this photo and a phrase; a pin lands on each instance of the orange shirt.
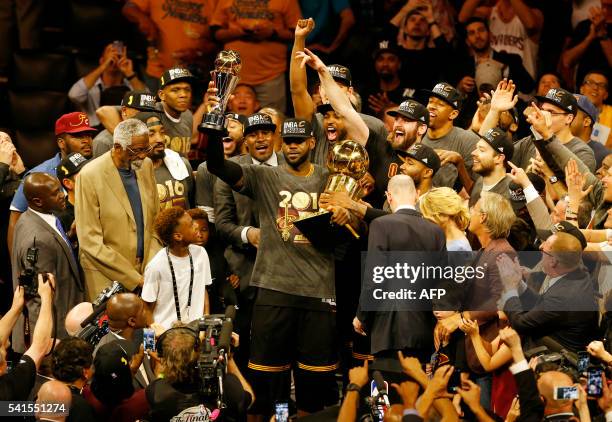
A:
(182, 25)
(265, 60)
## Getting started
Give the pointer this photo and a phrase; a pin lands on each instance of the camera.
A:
(212, 362)
(95, 326)
(28, 278)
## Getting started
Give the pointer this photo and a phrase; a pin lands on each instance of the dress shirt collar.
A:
(405, 207)
(272, 161)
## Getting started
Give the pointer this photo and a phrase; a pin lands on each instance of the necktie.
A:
(58, 224)
(545, 285)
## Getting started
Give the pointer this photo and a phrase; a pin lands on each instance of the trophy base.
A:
(322, 233)
(212, 122)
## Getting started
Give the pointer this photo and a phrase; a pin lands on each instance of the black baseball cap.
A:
(424, 154)
(140, 100)
(447, 93)
(517, 196)
(258, 121)
(341, 74)
(499, 140)
(70, 165)
(412, 110)
(296, 128)
(175, 75)
(112, 379)
(235, 116)
(564, 227)
(561, 98)
(386, 46)
(143, 116)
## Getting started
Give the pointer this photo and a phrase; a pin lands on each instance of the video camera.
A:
(95, 326)
(28, 278)
(552, 356)
(212, 362)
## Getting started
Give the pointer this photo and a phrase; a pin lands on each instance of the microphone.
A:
(230, 312)
(225, 337)
(381, 387)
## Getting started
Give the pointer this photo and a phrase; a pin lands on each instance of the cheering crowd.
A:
(467, 154)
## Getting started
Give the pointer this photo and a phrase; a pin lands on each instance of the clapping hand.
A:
(503, 99)
(510, 271)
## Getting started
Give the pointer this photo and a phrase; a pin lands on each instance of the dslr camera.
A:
(28, 278)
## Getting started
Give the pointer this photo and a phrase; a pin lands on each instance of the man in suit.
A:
(116, 204)
(237, 225)
(563, 307)
(39, 228)
(403, 230)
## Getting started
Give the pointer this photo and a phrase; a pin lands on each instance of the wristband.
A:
(353, 387)
(132, 76)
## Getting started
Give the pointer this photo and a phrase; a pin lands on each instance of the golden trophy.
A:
(347, 162)
(226, 76)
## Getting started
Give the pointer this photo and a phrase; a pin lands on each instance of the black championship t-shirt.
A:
(183, 403)
(286, 260)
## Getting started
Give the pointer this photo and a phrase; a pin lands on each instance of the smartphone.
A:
(381, 407)
(583, 361)
(454, 382)
(281, 410)
(566, 393)
(594, 382)
(148, 339)
(119, 47)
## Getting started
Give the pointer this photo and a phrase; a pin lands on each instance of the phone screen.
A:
(566, 393)
(583, 361)
(148, 339)
(454, 382)
(282, 411)
(594, 383)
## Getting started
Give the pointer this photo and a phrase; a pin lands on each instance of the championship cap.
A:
(296, 128)
(140, 100)
(412, 110)
(174, 75)
(258, 121)
(561, 98)
(447, 93)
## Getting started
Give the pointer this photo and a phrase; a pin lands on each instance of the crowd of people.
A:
(480, 161)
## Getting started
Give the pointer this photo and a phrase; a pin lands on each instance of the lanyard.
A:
(174, 287)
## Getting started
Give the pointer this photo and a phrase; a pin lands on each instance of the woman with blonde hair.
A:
(444, 207)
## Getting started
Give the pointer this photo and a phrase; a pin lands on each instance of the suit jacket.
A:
(106, 227)
(566, 312)
(532, 408)
(54, 256)
(404, 230)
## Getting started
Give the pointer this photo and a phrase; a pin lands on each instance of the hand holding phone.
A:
(566, 393)
(281, 410)
(148, 340)
(594, 382)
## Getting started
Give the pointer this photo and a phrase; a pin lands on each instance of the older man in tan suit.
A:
(116, 205)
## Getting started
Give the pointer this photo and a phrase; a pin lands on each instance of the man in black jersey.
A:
(293, 318)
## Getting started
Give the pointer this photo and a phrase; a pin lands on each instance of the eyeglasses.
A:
(598, 85)
(140, 151)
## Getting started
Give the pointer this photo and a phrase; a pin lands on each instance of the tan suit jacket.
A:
(106, 227)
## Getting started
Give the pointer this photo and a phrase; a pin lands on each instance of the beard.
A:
(157, 155)
(386, 76)
(136, 164)
(298, 161)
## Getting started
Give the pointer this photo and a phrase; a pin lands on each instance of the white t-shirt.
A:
(158, 285)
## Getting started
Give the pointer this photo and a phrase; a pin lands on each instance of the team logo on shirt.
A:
(293, 206)
(199, 413)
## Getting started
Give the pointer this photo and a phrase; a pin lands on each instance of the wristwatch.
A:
(353, 387)
(553, 179)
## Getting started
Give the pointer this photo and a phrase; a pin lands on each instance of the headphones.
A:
(185, 330)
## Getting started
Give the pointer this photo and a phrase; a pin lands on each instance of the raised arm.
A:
(226, 170)
(501, 100)
(302, 101)
(531, 17)
(44, 325)
(340, 102)
(10, 318)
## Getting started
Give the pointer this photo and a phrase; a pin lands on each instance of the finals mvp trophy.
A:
(347, 162)
(225, 75)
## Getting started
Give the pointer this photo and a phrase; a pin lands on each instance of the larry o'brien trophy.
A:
(347, 162)
(225, 75)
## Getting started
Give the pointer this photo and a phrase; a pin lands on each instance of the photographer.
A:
(178, 393)
(17, 384)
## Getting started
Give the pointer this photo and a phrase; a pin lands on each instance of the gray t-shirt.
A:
(502, 187)
(458, 140)
(286, 261)
(172, 192)
(178, 134)
(103, 142)
(525, 149)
